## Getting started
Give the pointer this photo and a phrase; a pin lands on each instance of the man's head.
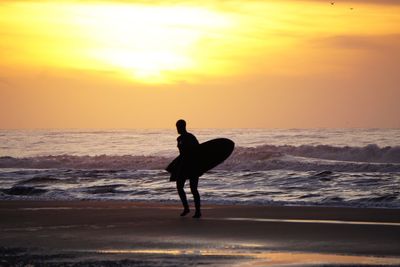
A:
(181, 126)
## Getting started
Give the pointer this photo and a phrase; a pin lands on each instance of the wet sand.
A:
(113, 233)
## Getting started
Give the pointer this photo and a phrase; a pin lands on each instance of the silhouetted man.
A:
(186, 143)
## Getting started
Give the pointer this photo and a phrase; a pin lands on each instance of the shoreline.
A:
(226, 233)
(205, 202)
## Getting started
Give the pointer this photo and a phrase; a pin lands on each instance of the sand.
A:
(118, 233)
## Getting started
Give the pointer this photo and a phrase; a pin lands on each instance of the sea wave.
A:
(369, 153)
(272, 187)
(370, 158)
(85, 162)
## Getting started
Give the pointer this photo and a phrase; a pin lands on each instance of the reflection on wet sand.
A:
(309, 221)
(262, 257)
(108, 233)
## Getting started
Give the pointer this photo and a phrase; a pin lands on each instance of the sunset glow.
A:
(148, 44)
(257, 50)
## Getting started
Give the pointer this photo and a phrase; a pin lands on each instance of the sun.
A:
(147, 43)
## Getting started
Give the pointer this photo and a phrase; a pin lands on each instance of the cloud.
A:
(376, 2)
(374, 42)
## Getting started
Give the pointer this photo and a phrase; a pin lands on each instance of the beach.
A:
(297, 197)
(122, 233)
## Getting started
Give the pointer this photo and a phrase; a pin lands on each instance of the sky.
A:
(216, 64)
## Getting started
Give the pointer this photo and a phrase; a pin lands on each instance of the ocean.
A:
(313, 167)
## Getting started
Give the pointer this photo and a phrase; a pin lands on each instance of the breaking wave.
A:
(369, 153)
(371, 158)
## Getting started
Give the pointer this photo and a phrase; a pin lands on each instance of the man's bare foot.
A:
(197, 215)
(184, 212)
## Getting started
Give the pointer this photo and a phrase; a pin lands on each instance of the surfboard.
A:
(203, 158)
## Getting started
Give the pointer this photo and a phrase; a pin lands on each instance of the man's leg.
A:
(196, 196)
(180, 183)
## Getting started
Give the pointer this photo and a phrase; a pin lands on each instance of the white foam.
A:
(370, 158)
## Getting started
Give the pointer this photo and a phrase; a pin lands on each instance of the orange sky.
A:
(131, 64)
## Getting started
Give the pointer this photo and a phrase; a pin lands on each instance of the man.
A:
(186, 143)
